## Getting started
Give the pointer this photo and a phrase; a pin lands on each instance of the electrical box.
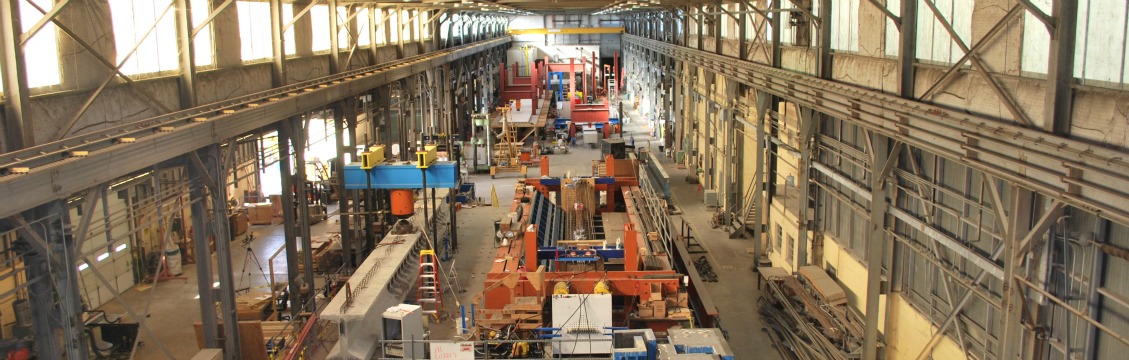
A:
(711, 198)
(404, 322)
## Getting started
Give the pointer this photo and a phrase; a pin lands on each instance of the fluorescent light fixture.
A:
(216, 284)
(120, 248)
(103, 256)
(84, 266)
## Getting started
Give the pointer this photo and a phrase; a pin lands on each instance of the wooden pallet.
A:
(525, 313)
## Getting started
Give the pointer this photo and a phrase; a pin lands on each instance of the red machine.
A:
(611, 253)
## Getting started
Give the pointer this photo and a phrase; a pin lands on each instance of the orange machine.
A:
(403, 202)
(609, 254)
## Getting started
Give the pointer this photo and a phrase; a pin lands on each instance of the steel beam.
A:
(1001, 92)
(300, 138)
(288, 216)
(63, 313)
(215, 167)
(1059, 100)
(65, 129)
(344, 206)
(212, 16)
(47, 17)
(1010, 325)
(187, 58)
(907, 49)
(203, 252)
(823, 53)
(18, 130)
(278, 47)
(109, 159)
(875, 249)
(985, 40)
(1062, 168)
(102, 59)
(335, 65)
(88, 201)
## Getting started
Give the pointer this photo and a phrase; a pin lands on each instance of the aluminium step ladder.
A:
(430, 293)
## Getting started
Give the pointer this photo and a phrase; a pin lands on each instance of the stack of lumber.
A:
(525, 313)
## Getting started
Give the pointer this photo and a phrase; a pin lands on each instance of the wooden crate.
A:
(260, 214)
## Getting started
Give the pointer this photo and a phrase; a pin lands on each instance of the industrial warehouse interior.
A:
(534, 179)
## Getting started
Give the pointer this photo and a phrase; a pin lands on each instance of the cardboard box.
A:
(260, 214)
(660, 308)
(276, 205)
(645, 310)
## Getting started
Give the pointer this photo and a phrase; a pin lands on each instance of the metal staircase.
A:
(744, 217)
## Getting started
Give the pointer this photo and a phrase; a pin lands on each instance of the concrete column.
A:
(1002, 53)
(226, 36)
(872, 29)
(303, 31)
(90, 21)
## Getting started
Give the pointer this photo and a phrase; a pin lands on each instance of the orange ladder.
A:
(430, 293)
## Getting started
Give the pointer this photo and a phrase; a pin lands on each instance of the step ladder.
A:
(430, 293)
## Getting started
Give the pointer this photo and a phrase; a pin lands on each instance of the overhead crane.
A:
(115, 152)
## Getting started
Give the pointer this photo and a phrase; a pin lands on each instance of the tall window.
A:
(288, 36)
(788, 249)
(381, 29)
(405, 25)
(394, 25)
(255, 30)
(363, 38)
(417, 24)
(319, 20)
(343, 27)
(779, 237)
(202, 43)
(156, 50)
(41, 52)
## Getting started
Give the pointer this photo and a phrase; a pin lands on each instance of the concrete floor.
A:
(171, 307)
(735, 292)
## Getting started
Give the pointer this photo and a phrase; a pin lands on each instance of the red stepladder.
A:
(430, 293)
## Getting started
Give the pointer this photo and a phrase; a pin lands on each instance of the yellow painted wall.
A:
(7, 312)
(911, 328)
(912, 332)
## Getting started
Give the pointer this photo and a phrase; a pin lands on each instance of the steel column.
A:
(875, 249)
(18, 130)
(344, 206)
(278, 48)
(187, 60)
(288, 216)
(1020, 217)
(823, 54)
(203, 252)
(335, 65)
(1059, 100)
(300, 137)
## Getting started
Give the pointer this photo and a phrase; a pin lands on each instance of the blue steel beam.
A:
(440, 175)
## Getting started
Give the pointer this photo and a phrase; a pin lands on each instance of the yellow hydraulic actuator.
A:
(602, 287)
(560, 288)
